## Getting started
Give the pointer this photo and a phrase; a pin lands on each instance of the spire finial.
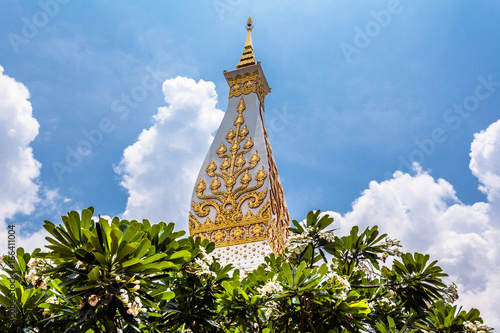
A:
(248, 58)
(249, 23)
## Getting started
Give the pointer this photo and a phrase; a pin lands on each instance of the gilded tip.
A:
(248, 58)
(249, 24)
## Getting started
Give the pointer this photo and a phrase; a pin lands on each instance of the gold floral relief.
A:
(218, 236)
(257, 230)
(231, 188)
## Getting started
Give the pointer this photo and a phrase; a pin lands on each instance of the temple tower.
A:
(238, 202)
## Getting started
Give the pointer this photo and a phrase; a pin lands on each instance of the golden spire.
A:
(248, 58)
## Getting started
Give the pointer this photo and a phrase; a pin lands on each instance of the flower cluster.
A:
(272, 287)
(476, 327)
(392, 246)
(297, 243)
(451, 293)
(50, 300)
(327, 235)
(133, 307)
(364, 266)
(335, 281)
(202, 265)
(36, 265)
(384, 303)
(271, 310)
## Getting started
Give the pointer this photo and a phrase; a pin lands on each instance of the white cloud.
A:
(23, 197)
(485, 160)
(159, 169)
(427, 216)
(19, 170)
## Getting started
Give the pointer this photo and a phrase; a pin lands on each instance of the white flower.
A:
(79, 264)
(327, 235)
(476, 327)
(271, 309)
(32, 263)
(202, 265)
(124, 296)
(272, 287)
(451, 293)
(31, 274)
(93, 300)
(136, 307)
(52, 300)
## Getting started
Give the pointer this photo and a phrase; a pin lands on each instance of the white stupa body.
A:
(238, 201)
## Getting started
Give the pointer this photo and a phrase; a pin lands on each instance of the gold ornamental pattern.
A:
(280, 218)
(235, 173)
(243, 85)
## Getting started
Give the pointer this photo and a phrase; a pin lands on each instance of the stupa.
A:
(238, 201)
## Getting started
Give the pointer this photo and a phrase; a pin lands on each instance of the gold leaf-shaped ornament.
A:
(201, 186)
(221, 150)
(215, 184)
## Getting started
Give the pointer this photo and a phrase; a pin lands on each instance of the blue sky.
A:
(359, 90)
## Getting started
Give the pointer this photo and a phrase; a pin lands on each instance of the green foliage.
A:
(129, 276)
(443, 318)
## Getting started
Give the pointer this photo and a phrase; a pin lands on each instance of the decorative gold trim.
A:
(280, 218)
(241, 232)
(243, 85)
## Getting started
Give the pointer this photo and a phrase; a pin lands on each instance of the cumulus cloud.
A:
(159, 170)
(427, 216)
(23, 198)
(485, 160)
(19, 169)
